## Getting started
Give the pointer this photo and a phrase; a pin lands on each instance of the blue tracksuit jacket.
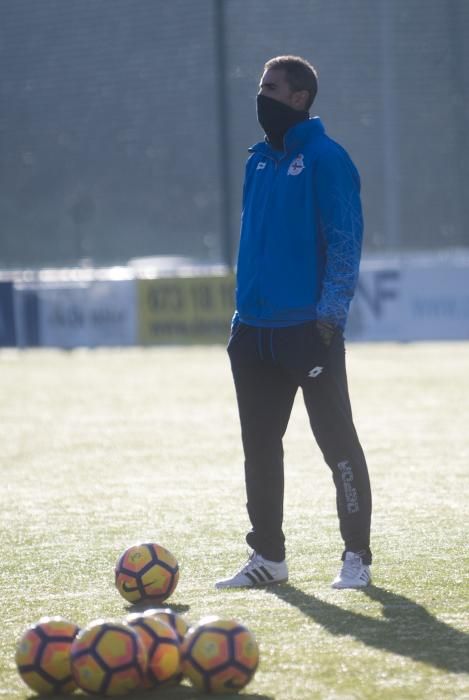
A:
(301, 231)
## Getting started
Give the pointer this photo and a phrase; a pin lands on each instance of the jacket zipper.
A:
(265, 233)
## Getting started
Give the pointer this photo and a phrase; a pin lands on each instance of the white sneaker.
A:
(255, 573)
(353, 574)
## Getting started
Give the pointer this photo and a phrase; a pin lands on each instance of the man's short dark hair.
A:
(299, 74)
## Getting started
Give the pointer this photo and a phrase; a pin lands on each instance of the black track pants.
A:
(269, 365)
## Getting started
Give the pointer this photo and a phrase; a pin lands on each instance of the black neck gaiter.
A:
(276, 118)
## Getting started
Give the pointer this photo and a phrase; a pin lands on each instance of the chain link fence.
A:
(124, 125)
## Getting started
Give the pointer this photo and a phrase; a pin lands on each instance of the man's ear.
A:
(300, 99)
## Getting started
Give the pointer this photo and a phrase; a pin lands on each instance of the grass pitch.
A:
(100, 449)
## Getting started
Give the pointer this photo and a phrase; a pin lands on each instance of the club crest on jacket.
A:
(297, 165)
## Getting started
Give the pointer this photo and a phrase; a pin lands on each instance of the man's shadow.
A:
(409, 629)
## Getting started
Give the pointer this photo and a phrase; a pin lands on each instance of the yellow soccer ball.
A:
(162, 647)
(146, 572)
(173, 619)
(43, 656)
(108, 659)
(219, 656)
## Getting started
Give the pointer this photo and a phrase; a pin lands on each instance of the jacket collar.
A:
(294, 139)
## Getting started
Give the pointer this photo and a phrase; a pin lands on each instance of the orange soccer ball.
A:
(43, 656)
(108, 659)
(146, 573)
(219, 656)
(162, 647)
(173, 619)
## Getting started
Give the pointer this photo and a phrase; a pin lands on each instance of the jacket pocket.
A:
(238, 330)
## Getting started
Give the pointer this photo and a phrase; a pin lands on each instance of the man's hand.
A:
(326, 331)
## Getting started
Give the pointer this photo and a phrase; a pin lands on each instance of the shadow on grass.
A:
(179, 692)
(186, 692)
(409, 629)
(141, 607)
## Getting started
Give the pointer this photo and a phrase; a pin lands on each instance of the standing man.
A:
(301, 235)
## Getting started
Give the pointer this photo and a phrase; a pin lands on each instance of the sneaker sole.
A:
(350, 585)
(221, 586)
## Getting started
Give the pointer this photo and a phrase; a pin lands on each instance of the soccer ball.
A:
(108, 658)
(146, 572)
(175, 621)
(219, 656)
(43, 656)
(162, 647)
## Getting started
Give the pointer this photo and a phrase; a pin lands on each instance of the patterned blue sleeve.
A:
(341, 223)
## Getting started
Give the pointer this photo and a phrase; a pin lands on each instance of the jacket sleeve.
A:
(341, 227)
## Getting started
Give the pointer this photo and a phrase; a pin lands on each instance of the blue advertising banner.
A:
(92, 314)
(26, 316)
(7, 317)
